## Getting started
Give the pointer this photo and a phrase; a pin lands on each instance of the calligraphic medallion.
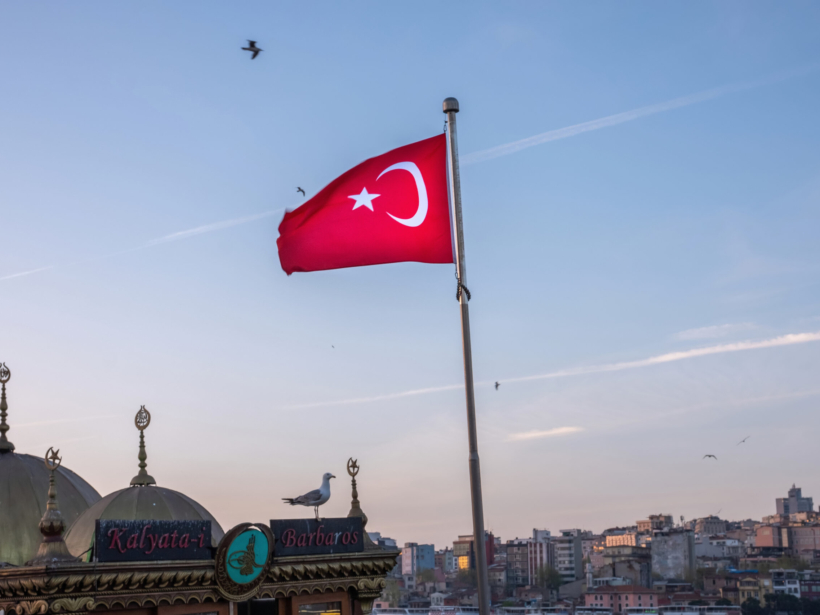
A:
(242, 560)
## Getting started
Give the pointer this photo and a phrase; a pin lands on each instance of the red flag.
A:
(388, 209)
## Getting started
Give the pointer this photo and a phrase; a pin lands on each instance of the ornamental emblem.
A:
(242, 560)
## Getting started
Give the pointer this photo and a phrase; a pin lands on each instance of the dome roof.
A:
(137, 503)
(23, 495)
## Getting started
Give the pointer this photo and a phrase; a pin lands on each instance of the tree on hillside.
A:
(751, 606)
(723, 602)
(466, 577)
(783, 603)
(426, 575)
(392, 593)
(547, 577)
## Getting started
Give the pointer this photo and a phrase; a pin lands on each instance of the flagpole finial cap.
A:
(450, 104)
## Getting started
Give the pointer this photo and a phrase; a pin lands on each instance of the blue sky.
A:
(691, 227)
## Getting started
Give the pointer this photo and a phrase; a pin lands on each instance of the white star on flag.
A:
(364, 200)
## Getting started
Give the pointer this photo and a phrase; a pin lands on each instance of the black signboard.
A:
(311, 537)
(150, 540)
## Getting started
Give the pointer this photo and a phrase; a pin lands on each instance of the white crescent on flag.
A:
(421, 212)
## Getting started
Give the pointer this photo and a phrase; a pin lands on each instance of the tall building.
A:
(795, 503)
(445, 561)
(539, 553)
(673, 554)
(518, 570)
(568, 554)
(416, 557)
(464, 550)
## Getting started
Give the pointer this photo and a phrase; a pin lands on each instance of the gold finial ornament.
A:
(5, 445)
(355, 507)
(142, 420)
(52, 548)
(53, 459)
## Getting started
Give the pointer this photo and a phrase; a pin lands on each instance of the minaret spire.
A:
(53, 548)
(142, 479)
(355, 507)
(5, 445)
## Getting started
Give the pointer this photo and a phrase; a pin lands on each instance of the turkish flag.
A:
(388, 209)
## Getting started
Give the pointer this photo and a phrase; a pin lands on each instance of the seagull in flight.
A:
(712, 456)
(252, 47)
(743, 440)
(497, 384)
(298, 189)
(314, 498)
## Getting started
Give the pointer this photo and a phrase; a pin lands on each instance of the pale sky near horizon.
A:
(641, 201)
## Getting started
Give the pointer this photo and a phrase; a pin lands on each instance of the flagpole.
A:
(450, 107)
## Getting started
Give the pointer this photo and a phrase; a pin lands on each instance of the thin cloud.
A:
(192, 232)
(210, 228)
(29, 272)
(71, 420)
(715, 331)
(783, 340)
(628, 116)
(549, 433)
(358, 400)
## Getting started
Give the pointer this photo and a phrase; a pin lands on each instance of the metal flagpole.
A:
(450, 107)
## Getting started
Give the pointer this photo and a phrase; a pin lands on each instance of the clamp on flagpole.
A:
(450, 107)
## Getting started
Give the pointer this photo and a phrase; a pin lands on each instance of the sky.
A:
(641, 193)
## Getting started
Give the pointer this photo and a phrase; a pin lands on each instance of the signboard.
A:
(311, 537)
(242, 560)
(150, 540)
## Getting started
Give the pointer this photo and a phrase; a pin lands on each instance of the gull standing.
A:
(314, 498)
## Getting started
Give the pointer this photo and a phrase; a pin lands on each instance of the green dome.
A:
(23, 495)
(137, 503)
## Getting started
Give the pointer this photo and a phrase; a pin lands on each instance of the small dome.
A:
(138, 503)
(23, 495)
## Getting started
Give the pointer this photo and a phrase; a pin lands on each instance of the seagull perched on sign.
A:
(314, 498)
(252, 47)
(712, 456)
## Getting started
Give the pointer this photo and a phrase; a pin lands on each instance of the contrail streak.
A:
(210, 228)
(198, 230)
(789, 339)
(548, 433)
(628, 116)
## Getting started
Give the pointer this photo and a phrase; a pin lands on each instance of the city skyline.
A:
(641, 188)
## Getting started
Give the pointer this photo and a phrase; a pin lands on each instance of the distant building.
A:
(518, 571)
(382, 541)
(568, 555)
(655, 522)
(497, 574)
(629, 539)
(415, 558)
(445, 560)
(464, 550)
(539, 553)
(673, 554)
(795, 503)
(708, 526)
(620, 597)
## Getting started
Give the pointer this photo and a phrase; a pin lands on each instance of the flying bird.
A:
(497, 384)
(314, 498)
(712, 456)
(743, 440)
(300, 190)
(252, 47)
